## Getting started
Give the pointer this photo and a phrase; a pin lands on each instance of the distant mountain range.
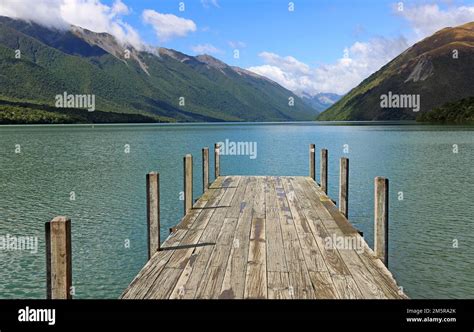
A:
(321, 101)
(437, 70)
(128, 85)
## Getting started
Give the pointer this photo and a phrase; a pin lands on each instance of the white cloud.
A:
(120, 8)
(237, 44)
(287, 63)
(88, 14)
(205, 49)
(339, 77)
(209, 3)
(168, 26)
(47, 13)
(429, 18)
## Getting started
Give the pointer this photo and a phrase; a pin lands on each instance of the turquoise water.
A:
(109, 186)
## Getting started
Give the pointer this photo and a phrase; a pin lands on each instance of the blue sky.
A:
(315, 32)
(320, 46)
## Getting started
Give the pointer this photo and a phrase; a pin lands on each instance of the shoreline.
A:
(230, 123)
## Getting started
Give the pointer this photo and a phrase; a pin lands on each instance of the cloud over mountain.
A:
(362, 58)
(89, 14)
(428, 18)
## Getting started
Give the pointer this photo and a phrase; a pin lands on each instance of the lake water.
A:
(431, 229)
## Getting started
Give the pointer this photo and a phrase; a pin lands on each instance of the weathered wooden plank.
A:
(331, 257)
(342, 278)
(279, 285)
(298, 272)
(346, 287)
(363, 277)
(234, 210)
(234, 279)
(276, 261)
(188, 281)
(139, 286)
(212, 280)
(312, 255)
(214, 275)
(167, 280)
(188, 264)
(323, 285)
(256, 276)
(381, 273)
(327, 210)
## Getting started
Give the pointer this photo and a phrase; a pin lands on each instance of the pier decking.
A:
(265, 237)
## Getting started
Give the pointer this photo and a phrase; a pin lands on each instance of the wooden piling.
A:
(205, 169)
(324, 170)
(153, 212)
(188, 183)
(344, 186)
(312, 161)
(217, 162)
(58, 258)
(381, 219)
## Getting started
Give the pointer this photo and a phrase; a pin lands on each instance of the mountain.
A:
(439, 69)
(153, 85)
(321, 101)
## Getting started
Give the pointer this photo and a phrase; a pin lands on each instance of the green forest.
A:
(461, 111)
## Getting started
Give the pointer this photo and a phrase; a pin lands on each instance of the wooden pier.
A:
(266, 237)
(257, 237)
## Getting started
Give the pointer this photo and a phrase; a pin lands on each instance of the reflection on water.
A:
(92, 164)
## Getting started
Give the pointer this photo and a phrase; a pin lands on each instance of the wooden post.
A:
(344, 187)
(205, 169)
(188, 183)
(324, 170)
(217, 162)
(58, 258)
(153, 212)
(312, 162)
(381, 219)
